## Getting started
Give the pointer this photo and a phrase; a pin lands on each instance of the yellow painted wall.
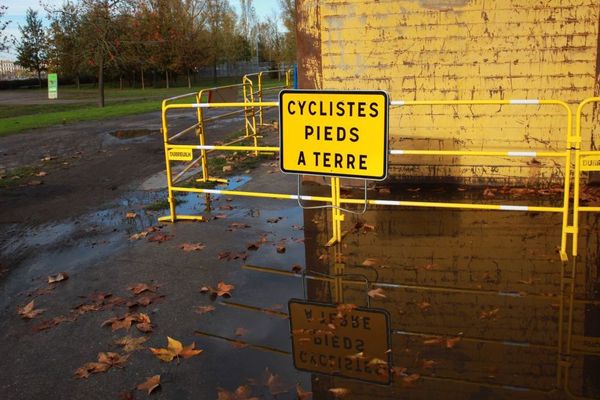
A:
(461, 49)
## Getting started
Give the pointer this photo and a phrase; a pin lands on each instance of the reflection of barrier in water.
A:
(561, 354)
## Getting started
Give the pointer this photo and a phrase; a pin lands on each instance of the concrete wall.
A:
(459, 49)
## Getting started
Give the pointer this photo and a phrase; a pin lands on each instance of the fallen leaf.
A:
(126, 395)
(192, 246)
(204, 309)
(225, 207)
(376, 293)
(428, 364)
(41, 173)
(409, 380)
(281, 248)
(113, 359)
(489, 193)
(273, 382)
(234, 226)
(339, 392)
(28, 311)
(437, 340)
(151, 384)
(372, 262)
(220, 216)
(297, 268)
(241, 331)
(159, 238)
(143, 233)
(175, 350)
(51, 323)
(237, 344)
(252, 246)
(35, 182)
(423, 305)
(61, 276)
(451, 342)
(130, 343)
(491, 314)
(398, 371)
(241, 393)
(130, 215)
(301, 394)
(105, 362)
(274, 220)
(224, 289)
(141, 288)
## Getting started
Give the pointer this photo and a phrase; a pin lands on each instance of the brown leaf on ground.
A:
(61, 276)
(144, 233)
(131, 343)
(241, 393)
(297, 227)
(150, 385)
(274, 220)
(281, 248)
(301, 394)
(238, 344)
(228, 256)
(144, 327)
(398, 371)
(35, 182)
(144, 301)
(126, 395)
(204, 309)
(192, 246)
(141, 288)
(159, 237)
(490, 314)
(51, 323)
(175, 350)
(489, 193)
(423, 305)
(241, 331)
(28, 311)
(225, 207)
(130, 215)
(234, 226)
(41, 173)
(376, 293)
(219, 216)
(105, 362)
(339, 392)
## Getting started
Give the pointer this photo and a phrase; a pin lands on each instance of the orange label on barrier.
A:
(180, 154)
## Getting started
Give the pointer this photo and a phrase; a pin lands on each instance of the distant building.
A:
(9, 70)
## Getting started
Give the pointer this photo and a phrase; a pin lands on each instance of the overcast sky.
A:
(16, 14)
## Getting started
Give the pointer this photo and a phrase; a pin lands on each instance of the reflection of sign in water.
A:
(180, 154)
(343, 133)
(52, 86)
(590, 163)
(353, 343)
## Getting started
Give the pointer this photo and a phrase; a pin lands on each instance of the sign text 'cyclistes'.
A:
(344, 341)
(333, 133)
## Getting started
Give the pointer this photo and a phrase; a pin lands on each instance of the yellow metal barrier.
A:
(336, 201)
(261, 90)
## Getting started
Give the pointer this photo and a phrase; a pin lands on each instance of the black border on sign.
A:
(386, 133)
(385, 313)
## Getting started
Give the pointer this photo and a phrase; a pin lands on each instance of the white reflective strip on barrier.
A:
(397, 102)
(524, 101)
(396, 151)
(212, 191)
(522, 153)
(205, 147)
(295, 197)
(514, 208)
(387, 202)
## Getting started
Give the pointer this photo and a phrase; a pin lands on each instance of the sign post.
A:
(334, 133)
(52, 86)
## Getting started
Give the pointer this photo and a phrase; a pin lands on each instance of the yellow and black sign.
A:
(344, 341)
(590, 163)
(335, 133)
(180, 154)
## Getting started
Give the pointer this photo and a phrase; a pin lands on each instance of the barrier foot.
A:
(182, 218)
(563, 256)
(331, 242)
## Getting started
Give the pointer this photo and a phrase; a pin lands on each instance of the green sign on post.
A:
(52, 86)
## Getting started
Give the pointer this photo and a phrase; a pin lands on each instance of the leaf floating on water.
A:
(338, 393)
(192, 246)
(61, 276)
(130, 215)
(377, 293)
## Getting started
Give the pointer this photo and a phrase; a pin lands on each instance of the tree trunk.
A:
(167, 77)
(133, 80)
(189, 79)
(39, 73)
(215, 71)
(121, 82)
(77, 81)
(101, 83)
(142, 71)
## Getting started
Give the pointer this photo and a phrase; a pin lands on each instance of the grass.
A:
(17, 177)
(18, 118)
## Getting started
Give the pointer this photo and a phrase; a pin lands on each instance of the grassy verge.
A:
(17, 118)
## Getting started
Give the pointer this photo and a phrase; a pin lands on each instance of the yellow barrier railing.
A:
(336, 201)
(261, 90)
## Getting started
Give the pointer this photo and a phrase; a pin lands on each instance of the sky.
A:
(16, 14)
